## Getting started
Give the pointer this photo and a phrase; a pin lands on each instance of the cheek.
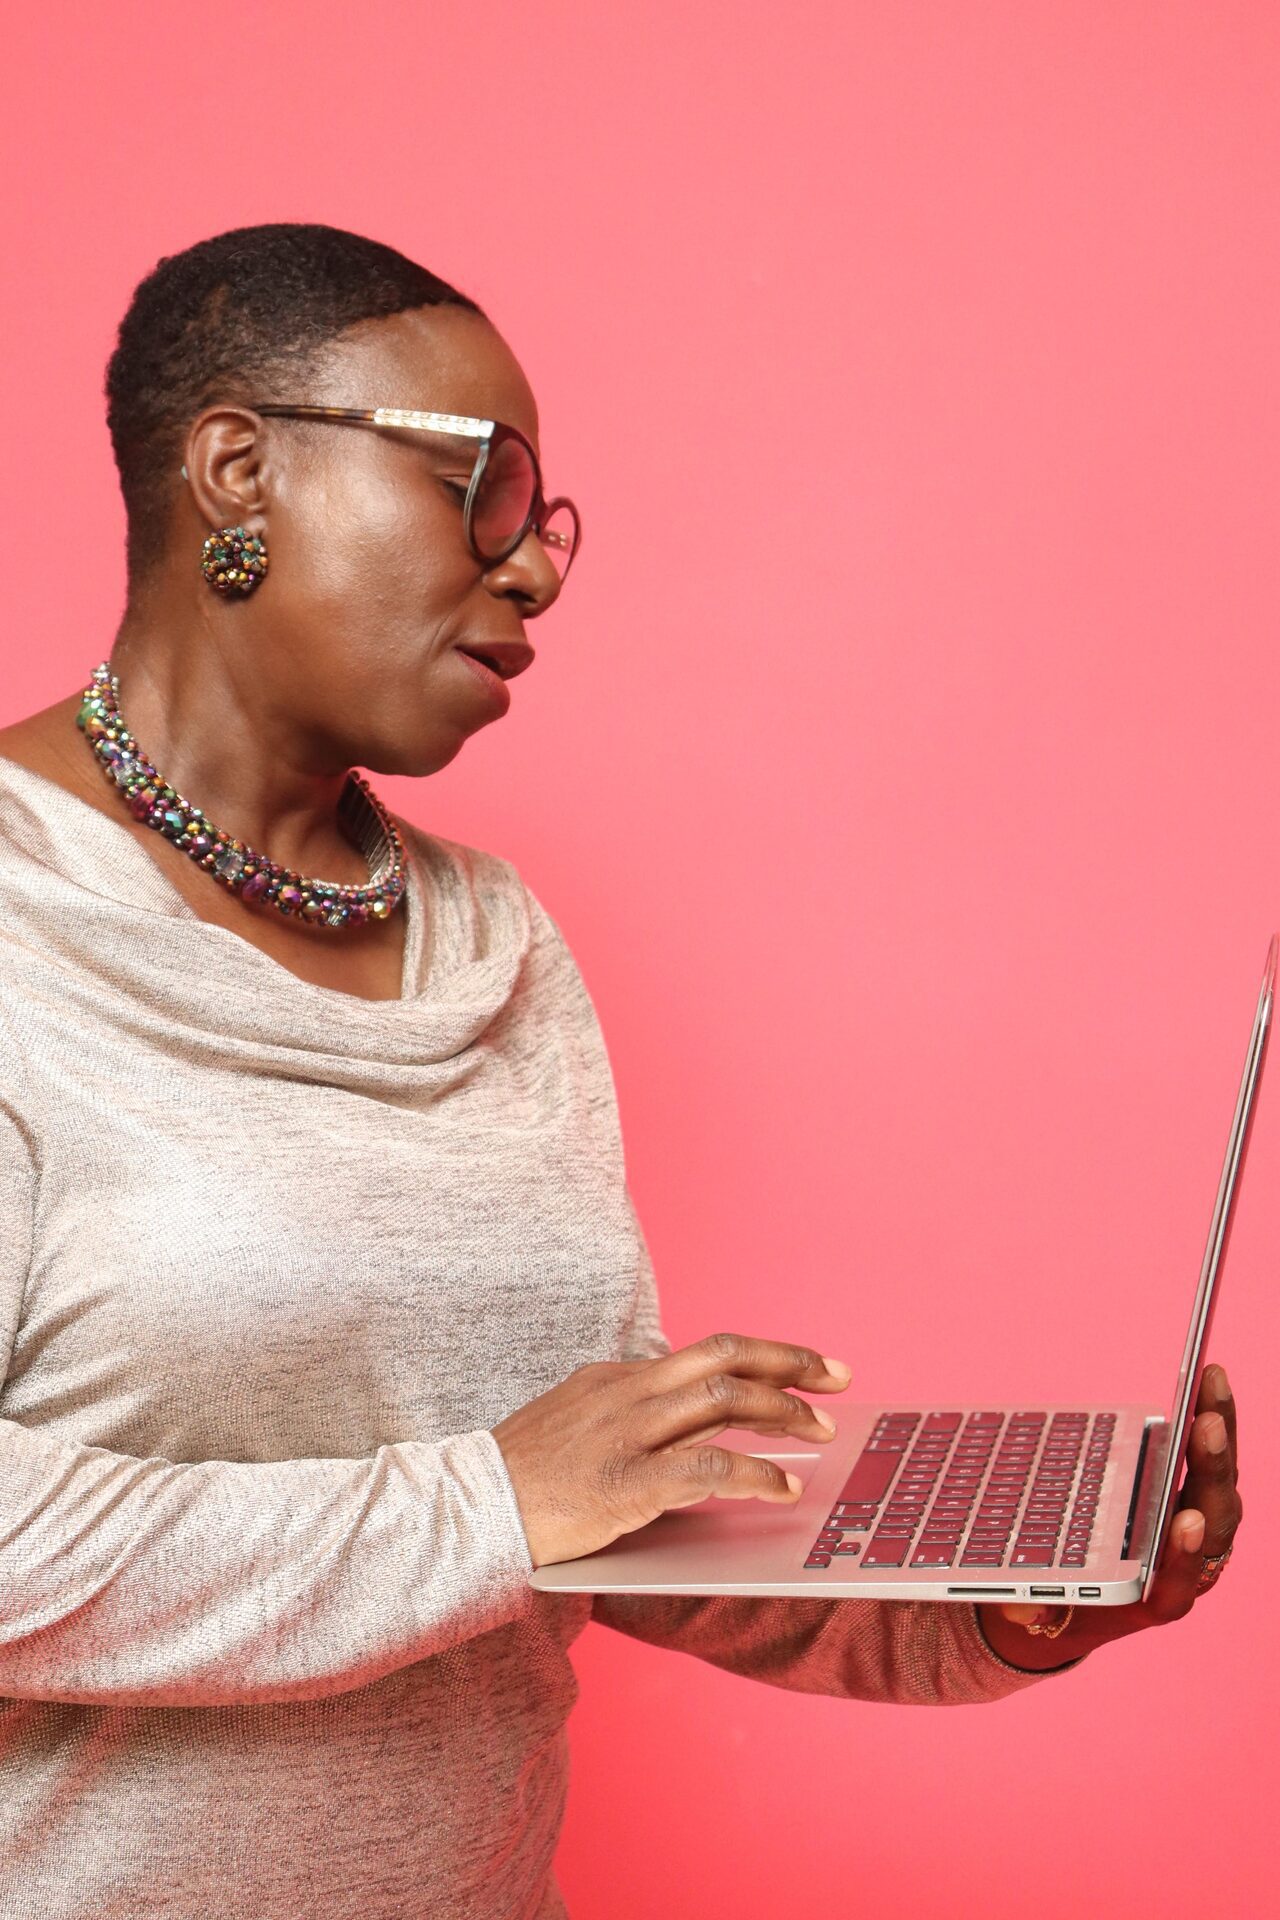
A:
(366, 549)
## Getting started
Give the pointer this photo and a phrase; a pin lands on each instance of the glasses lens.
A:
(504, 498)
(560, 535)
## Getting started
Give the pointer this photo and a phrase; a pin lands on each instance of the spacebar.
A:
(871, 1475)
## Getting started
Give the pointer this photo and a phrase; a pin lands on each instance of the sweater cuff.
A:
(1013, 1678)
(477, 1503)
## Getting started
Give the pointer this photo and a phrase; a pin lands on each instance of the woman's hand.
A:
(618, 1443)
(1203, 1528)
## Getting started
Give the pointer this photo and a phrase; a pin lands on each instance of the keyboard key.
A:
(1033, 1556)
(931, 1557)
(981, 1557)
(849, 1546)
(870, 1478)
(818, 1560)
(886, 1550)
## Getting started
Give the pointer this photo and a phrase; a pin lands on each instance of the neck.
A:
(201, 715)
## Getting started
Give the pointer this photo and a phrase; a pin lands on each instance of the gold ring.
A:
(1052, 1632)
(1213, 1565)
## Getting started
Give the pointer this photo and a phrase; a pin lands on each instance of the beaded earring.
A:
(233, 561)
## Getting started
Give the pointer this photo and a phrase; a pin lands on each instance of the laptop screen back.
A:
(1182, 1411)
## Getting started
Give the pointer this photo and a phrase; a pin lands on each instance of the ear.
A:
(223, 467)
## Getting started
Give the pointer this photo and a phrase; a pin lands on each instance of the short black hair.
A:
(222, 321)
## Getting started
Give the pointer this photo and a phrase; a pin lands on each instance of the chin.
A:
(414, 760)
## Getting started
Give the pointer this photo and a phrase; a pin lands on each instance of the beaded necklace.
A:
(238, 867)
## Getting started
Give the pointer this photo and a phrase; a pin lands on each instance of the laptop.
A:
(964, 1503)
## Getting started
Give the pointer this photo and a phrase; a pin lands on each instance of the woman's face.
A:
(353, 639)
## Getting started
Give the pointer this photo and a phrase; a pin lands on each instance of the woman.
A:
(324, 1313)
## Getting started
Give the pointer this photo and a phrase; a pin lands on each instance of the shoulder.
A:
(488, 884)
(469, 870)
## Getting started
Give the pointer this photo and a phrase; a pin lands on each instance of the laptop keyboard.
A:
(986, 1490)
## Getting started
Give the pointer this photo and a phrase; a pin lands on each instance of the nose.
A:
(527, 575)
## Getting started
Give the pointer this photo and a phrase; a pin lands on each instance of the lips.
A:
(505, 658)
(489, 679)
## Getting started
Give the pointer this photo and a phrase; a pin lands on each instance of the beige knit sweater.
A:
(273, 1261)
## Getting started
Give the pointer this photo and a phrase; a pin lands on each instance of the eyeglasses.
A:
(504, 502)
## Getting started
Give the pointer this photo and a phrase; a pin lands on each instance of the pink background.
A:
(900, 763)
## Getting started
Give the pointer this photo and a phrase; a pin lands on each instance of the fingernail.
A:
(824, 1420)
(838, 1370)
(1192, 1533)
(1221, 1386)
(795, 1483)
(1021, 1616)
(1215, 1434)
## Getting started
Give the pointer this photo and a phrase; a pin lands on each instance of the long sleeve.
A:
(912, 1652)
(149, 1582)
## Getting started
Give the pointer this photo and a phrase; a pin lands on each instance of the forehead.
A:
(441, 359)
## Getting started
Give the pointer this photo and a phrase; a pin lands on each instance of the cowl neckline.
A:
(79, 893)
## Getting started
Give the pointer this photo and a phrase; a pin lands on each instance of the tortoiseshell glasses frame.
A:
(504, 502)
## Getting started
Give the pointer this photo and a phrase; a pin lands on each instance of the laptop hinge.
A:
(1139, 1498)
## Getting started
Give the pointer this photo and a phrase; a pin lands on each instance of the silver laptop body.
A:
(1068, 1502)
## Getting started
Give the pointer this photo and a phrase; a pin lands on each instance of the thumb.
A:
(1022, 1616)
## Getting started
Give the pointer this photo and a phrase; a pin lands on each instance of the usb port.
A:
(1049, 1593)
(1091, 1593)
